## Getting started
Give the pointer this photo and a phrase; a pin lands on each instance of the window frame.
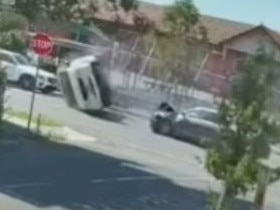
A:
(83, 89)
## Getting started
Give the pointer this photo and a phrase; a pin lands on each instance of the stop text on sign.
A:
(42, 44)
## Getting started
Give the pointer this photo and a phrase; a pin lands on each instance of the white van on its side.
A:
(84, 85)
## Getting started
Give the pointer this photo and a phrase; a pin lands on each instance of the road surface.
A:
(127, 168)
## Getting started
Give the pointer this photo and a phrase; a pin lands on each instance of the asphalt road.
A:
(127, 168)
(119, 127)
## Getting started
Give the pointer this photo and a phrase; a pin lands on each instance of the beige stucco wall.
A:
(251, 42)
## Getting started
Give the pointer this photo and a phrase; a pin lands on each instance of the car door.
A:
(193, 125)
(9, 64)
(201, 124)
(182, 126)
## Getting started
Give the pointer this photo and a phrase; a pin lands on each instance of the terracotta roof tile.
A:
(275, 35)
(218, 29)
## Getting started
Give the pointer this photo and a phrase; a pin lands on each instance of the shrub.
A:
(13, 41)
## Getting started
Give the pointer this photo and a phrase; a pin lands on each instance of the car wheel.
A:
(164, 127)
(27, 82)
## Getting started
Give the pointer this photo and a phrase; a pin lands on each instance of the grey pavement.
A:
(51, 176)
(54, 132)
(127, 167)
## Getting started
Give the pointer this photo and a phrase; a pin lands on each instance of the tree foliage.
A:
(182, 17)
(77, 11)
(181, 44)
(125, 4)
(246, 126)
(11, 37)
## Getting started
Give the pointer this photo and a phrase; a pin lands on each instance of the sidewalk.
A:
(55, 133)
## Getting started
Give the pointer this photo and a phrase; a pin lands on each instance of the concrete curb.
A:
(59, 133)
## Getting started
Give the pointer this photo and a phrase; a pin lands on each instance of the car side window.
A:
(92, 87)
(204, 115)
(212, 117)
(7, 58)
(83, 89)
(193, 114)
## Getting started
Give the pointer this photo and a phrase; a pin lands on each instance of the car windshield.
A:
(204, 115)
(210, 116)
(21, 60)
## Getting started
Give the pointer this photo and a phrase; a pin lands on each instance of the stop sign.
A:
(42, 44)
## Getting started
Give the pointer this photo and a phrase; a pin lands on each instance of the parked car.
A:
(199, 125)
(20, 71)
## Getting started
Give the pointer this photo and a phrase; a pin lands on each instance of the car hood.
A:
(162, 114)
(32, 71)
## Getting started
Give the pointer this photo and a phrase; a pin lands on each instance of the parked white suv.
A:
(19, 70)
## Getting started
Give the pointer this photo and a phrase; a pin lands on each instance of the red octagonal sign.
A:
(42, 44)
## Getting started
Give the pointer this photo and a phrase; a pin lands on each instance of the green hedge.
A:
(13, 42)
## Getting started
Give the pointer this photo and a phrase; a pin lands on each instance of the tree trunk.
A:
(263, 181)
(225, 196)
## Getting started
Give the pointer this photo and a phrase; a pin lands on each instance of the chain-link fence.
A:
(133, 68)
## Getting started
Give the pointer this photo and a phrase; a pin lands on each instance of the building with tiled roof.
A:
(231, 41)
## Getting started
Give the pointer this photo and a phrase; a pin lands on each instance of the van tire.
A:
(27, 82)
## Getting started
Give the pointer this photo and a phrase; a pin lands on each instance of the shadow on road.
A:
(47, 174)
(108, 115)
(56, 94)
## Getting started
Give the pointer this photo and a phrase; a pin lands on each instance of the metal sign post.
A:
(33, 98)
(42, 45)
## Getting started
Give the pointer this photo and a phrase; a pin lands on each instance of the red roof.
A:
(218, 29)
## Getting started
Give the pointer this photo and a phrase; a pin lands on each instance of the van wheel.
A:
(27, 82)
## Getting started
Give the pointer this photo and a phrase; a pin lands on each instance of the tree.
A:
(181, 44)
(77, 11)
(11, 37)
(127, 5)
(72, 10)
(246, 128)
(182, 17)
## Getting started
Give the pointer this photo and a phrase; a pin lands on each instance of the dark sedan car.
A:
(199, 125)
